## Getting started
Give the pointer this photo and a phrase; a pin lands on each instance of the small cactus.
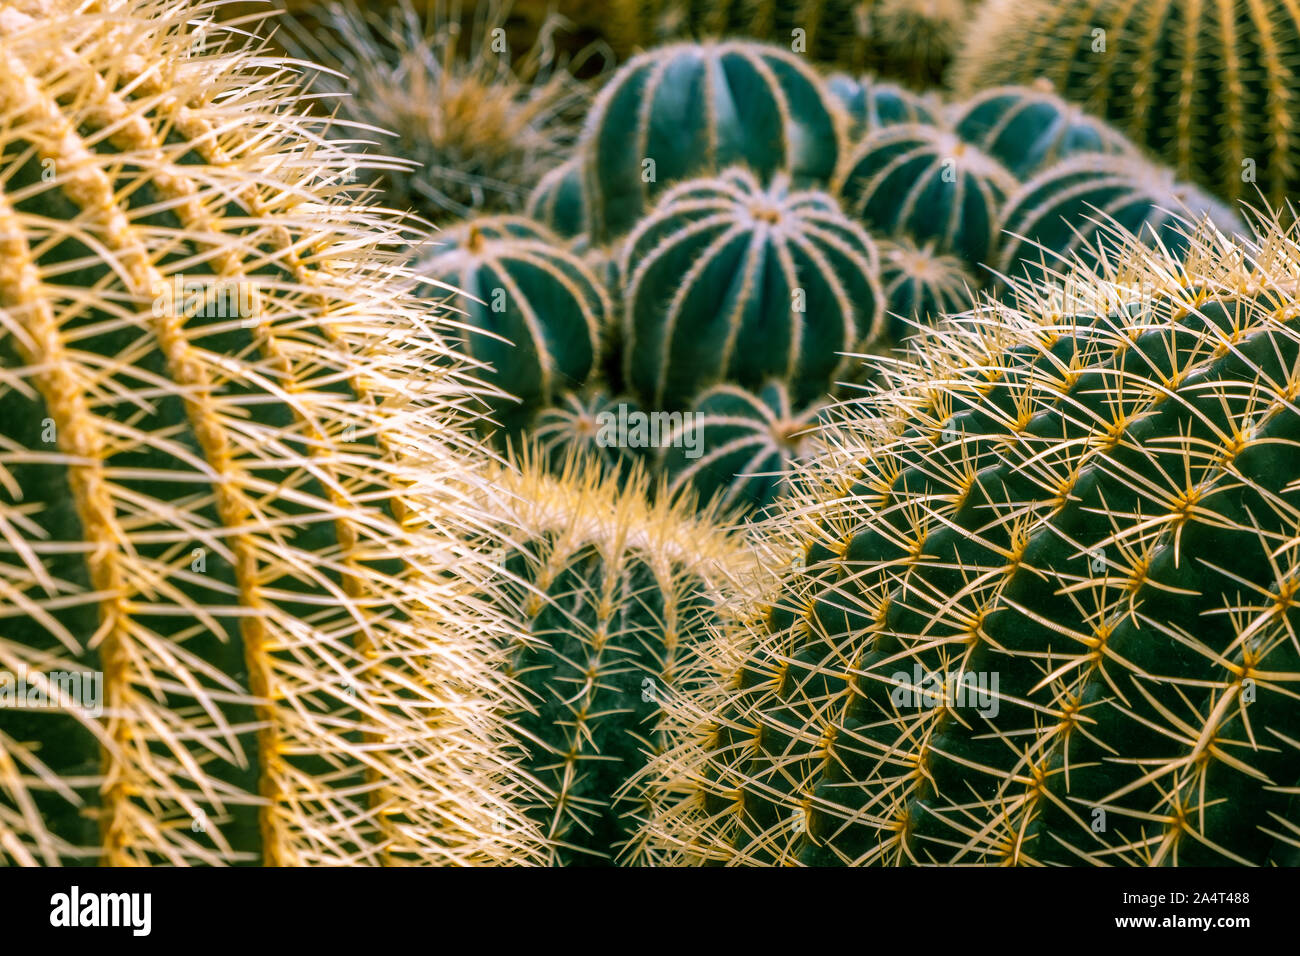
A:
(590, 424)
(872, 104)
(728, 280)
(534, 312)
(693, 109)
(921, 285)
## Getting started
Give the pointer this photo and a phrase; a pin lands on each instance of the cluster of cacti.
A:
(234, 467)
(1046, 601)
(1207, 87)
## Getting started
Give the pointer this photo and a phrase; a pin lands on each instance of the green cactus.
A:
(1068, 211)
(591, 424)
(728, 280)
(926, 183)
(872, 104)
(921, 285)
(739, 447)
(1207, 87)
(1047, 605)
(614, 594)
(1028, 128)
(692, 109)
(559, 202)
(233, 468)
(534, 312)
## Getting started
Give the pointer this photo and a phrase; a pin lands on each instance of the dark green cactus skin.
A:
(559, 201)
(693, 109)
(926, 183)
(1104, 516)
(872, 104)
(1072, 208)
(748, 445)
(731, 281)
(921, 285)
(539, 308)
(1028, 128)
(587, 423)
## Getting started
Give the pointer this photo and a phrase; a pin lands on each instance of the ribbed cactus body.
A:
(534, 311)
(559, 201)
(231, 467)
(591, 424)
(691, 109)
(872, 103)
(921, 285)
(614, 594)
(1028, 128)
(924, 182)
(1071, 208)
(1208, 87)
(730, 281)
(1049, 617)
(739, 448)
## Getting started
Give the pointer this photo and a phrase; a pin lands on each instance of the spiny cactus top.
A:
(689, 109)
(921, 285)
(1047, 606)
(1211, 88)
(729, 280)
(232, 465)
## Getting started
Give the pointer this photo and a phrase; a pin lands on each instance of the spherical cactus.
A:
(918, 38)
(1052, 582)
(921, 285)
(1028, 128)
(533, 310)
(739, 448)
(926, 183)
(559, 202)
(872, 104)
(614, 595)
(589, 423)
(232, 476)
(691, 109)
(731, 281)
(1208, 87)
(1071, 208)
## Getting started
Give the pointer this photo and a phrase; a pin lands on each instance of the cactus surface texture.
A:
(872, 103)
(1047, 606)
(591, 424)
(559, 201)
(1210, 88)
(233, 460)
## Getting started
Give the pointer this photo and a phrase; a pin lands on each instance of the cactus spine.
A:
(1087, 498)
(221, 486)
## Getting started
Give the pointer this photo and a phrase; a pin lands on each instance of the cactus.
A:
(1088, 498)
(1069, 210)
(921, 285)
(1028, 128)
(613, 594)
(918, 38)
(227, 497)
(872, 104)
(534, 311)
(475, 130)
(738, 447)
(558, 201)
(590, 424)
(730, 281)
(1209, 88)
(691, 109)
(924, 182)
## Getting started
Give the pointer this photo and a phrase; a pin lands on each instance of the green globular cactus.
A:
(1046, 608)
(740, 448)
(558, 201)
(1209, 88)
(534, 312)
(728, 280)
(233, 471)
(1072, 208)
(614, 594)
(1028, 128)
(693, 109)
(872, 103)
(925, 182)
(921, 285)
(590, 423)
